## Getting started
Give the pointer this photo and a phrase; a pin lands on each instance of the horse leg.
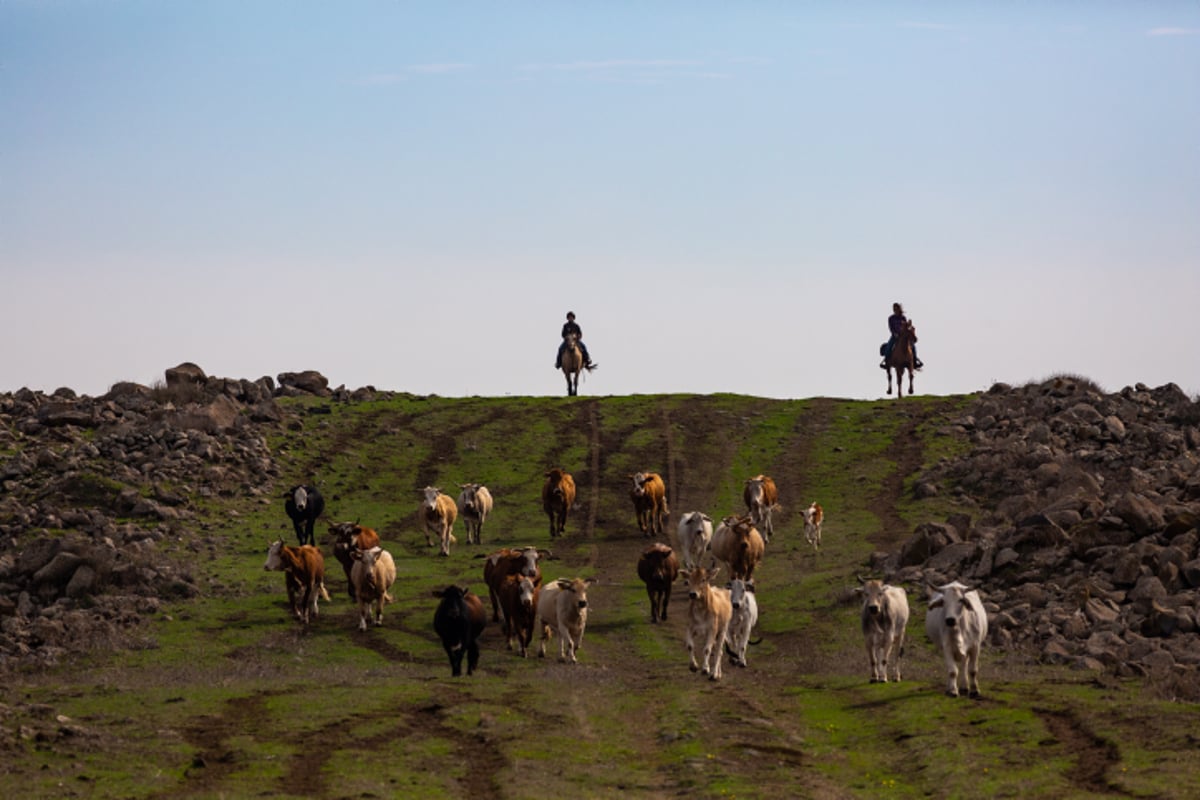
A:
(910, 381)
(889, 374)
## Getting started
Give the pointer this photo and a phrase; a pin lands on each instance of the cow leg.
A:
(973, 672)
(952, 673)
(691, 646)
(542, 643)
(472, 656)
(666, 601)
(456, 654)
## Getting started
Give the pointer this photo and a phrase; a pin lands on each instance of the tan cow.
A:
(474, 505)
(761, 498)
(304, 570)
(562, 608)
(649, 495)
(738, 544)
(438, 513)
(373, 574)
(709, 613)
(347, 538)
(814, 515)
(558, 495)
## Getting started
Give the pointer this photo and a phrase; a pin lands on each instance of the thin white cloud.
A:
(411, 71)
(609, 65)
(1173, 32)
(926, 26)
(439, 69)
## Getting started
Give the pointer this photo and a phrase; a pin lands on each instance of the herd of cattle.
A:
(720, 618)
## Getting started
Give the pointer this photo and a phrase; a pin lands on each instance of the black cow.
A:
(459, 620)
(304, 505)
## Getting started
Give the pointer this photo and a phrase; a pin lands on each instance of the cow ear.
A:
(716, 571)
(563, 583)
(590, 581)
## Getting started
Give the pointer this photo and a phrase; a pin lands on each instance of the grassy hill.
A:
(229, 697)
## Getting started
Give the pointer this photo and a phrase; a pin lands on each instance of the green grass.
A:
(276, 710)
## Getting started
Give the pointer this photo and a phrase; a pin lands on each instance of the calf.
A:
(957, 623)
(709, 613)
(458, 621)
(474, 504)
(373, 574)
(562, 607)
(558, 495)
(509, 561)
(649, 495)
(813, 516)
(761, 498)
(348, 538)
(695, 535)
(304, 505)
(744, 617)
(884, 619)
(304, 570)
(658, 568)
(519, 598)
(438, 513)
(738, 543)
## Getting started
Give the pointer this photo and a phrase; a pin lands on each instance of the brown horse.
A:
(572, 364)
(901, 358)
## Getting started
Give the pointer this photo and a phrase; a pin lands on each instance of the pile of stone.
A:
(98, 498)
(1086, 547)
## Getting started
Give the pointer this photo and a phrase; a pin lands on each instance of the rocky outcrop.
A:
(98, 496)
(1084, 537)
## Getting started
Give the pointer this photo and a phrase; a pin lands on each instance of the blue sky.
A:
(730, 195)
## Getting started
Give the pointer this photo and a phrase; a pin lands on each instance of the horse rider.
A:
(896, 324)
(572, 327)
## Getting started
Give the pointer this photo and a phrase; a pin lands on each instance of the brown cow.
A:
(738, 543)
(349, 537)
(519, 597)
(558, 495)
(761, 498)
(509, 561)
(438, 512)
(658, 568)
(649, 495)
(304, 568)
(814, 515)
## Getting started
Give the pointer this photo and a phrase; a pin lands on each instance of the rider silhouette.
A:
(895, 325)
(569, 327)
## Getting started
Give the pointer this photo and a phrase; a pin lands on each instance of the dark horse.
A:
(901, 358)
(304, 505)
(572, 363)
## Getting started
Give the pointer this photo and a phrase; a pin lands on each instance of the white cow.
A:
(709, 612)
(695, 534)
(957, 623)
(745, 617)
(562, 608)
(884, 619)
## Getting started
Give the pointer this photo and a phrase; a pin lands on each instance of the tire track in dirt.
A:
(1093, 755)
